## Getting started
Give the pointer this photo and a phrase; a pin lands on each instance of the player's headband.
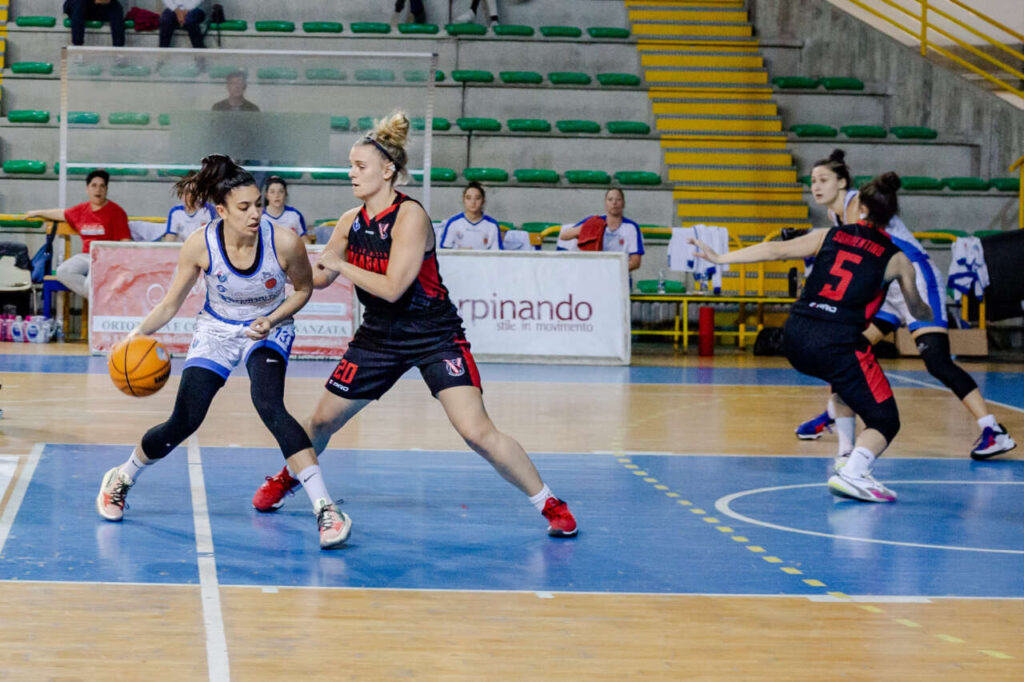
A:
(378, 145)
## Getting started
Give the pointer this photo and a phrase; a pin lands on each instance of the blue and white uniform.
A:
(894, 310)
(234, 299)
(626, 238)
(290, 218)
(462, 233)
(181, 223)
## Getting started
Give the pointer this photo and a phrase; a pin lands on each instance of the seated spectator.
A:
(610, 232)
(275, 194)
(80, 11)
(419, 15)
(186, 217)
(186, 14)
(471, 229)
(236, 82)
(474, 7)
(95, 220)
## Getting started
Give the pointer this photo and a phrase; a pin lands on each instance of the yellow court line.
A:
(996, 654)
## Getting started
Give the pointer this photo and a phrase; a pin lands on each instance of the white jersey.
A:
(461, 233)
(290, 218)
(625, 238)
(239, 297)
(851, 194)
(181, 223)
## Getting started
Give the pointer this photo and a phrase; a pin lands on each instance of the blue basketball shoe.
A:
(813, 428)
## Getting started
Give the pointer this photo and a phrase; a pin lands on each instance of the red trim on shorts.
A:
(467, 358)
(877, 382)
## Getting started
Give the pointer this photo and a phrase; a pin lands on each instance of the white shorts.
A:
(220, 346)
(895, 311)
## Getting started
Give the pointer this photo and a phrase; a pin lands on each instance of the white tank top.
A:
(839, 220)
(233, 296)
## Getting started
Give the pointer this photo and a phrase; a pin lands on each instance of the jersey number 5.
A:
(845, 276)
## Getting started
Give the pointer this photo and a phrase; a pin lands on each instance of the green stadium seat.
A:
(813, 130)
(512, 30)
(804, 180)
(561, 31)
(569, 78)
(36, 22)
(842, 83)
(233, 25)
(542, 175)
(441, 174)
(418, 29)
(85, 69)
(130, 71)
(505, 225)
(470, 124)
(375, 75)
(123, 172)
(521, 77)
(465, 29)
(28, 116)
(587, 177)
(222, 72)
(90, 23)
(76, 170)
(647, 286)
(173, 172)
(608, 32)
(966, 183)
(863, 131)
(340, 123)
(913, 132)
(325, 74)
(164, 119)
(535, 226)
(669, 286)
(637, 178)
(82, 118)
(795, 82)
(330, 175)
(481, 174)
(921, 182)
(472, 75)
(1006, 184)
(364, 123)
(322, 27)
(178, 70)
(370, 27)
(287, 174)
(578, 126)
(628, 128)
(25, 167)
(630, 80)
(420, 76)
(275, 26)
(528, 125)
(439, 123)
(277, 73)
(981, 234)
(858, 180)
(127, 118)
(21, 224)
(32, 67)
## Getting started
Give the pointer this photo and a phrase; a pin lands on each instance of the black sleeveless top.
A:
(369, 247)
(847, 284)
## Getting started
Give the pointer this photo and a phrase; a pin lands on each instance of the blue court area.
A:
(445, 520)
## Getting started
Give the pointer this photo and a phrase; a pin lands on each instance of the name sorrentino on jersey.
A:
(187, 325)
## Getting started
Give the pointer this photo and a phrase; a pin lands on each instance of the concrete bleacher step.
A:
(727, 157)
(701, 209)
(728, 174)
(695, 106)
(724, 124)
(720, 76)
(702, 59)
(788, 193)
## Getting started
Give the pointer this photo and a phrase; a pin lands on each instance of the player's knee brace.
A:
(934, 350)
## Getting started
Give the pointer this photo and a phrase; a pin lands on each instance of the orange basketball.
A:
(139, 366)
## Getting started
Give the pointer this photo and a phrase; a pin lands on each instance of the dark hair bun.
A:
(837, 155)
(889, 182)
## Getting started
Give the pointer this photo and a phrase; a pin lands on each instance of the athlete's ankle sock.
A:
(861, 461)
(845, 431)
(989, 421)
(134, 466)
(540, 498)
(830, 409)
(313, 483)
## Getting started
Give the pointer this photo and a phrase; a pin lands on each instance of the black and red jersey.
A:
(369, 248)
(847, 284)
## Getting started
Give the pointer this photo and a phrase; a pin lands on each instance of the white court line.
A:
(209, 590)
(18, 494)
(722, 505)
(940, 387)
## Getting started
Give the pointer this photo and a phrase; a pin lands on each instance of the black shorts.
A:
(383, 350)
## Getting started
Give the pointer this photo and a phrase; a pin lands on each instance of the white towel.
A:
(967, 270)
(682, 254)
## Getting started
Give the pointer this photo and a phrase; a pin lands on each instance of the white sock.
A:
(830, 408)
(314, 485)
(989, 421)
(134, 466)
(540, 498)
(861, 461)
(846, 428)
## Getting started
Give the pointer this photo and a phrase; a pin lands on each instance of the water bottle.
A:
(661, 281)
(18, 330)
(5, 327)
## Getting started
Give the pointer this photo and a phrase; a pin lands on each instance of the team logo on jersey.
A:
(382, 229)
(356, 225)
(270, 283)
(221, 277)
(221, 288)
(455, 367)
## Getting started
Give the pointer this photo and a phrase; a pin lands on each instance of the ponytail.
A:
(213, 182)
(879, 198)
(389, 136)
(836, 162)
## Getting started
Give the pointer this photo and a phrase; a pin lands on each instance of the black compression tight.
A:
(195, 393)
(266, 377)
(934, 350)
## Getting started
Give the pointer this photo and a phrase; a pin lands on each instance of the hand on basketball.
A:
(704, 251)
(330, 261)
(258, 329)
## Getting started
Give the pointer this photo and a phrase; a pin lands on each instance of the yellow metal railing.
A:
(1018, 165)
(918, 25)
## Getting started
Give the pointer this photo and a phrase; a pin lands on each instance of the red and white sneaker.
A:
(110, 502)
(270, 496)
(562, 524)
(335, 526)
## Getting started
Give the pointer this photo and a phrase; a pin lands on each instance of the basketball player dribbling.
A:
(387, 248)
(247, 319)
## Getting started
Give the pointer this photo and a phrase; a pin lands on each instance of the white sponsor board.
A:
(557, 307)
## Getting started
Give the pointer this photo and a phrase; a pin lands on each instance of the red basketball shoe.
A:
(270, 496)
(562, 523)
